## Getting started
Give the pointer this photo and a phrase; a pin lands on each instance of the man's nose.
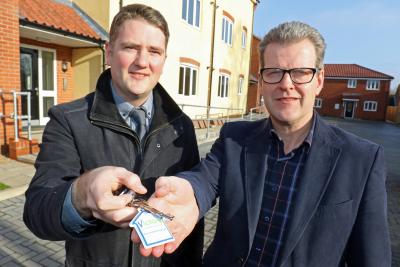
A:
(142, 58)
(286, 82)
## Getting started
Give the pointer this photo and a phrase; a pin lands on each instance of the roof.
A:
(352, 71)
(57, 16)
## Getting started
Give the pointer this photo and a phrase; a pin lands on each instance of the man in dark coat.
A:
(293, 191)
(92, 147)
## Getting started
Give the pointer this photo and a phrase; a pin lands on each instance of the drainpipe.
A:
(259, 98)
(211, 67)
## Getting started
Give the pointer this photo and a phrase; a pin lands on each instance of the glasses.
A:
(297, 75)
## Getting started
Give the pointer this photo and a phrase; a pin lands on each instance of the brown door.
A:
(349, 109)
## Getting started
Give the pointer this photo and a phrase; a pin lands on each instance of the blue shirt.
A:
(280, 186)
(72, 222)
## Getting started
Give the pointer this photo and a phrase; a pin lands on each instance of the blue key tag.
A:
(151, 229)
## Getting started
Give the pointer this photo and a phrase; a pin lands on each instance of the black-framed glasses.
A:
(297, 75)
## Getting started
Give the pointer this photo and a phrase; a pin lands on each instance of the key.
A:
(142, 203)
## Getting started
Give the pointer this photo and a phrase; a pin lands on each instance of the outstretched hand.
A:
(175, 196)
(93, 195)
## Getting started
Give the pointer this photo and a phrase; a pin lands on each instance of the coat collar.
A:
(256, 147)
(104, 108)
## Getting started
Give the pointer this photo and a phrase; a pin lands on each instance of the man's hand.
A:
(92, 194)
(175, 196)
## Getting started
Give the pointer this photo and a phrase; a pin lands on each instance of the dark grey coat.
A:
(90, 133)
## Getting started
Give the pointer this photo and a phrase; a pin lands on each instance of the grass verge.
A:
(3, 186)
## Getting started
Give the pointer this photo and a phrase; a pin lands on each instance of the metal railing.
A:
(208, 117)
(259, 108)
(15, 115)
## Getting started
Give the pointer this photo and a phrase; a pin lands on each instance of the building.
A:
(352, 91)
(54, 50)
(208, 51)
(49, 49)
(254, 94)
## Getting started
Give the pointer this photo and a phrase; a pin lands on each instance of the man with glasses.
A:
(293, 190)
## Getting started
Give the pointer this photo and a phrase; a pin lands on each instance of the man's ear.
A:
(320, 81)
(259, 79)
(108, 53)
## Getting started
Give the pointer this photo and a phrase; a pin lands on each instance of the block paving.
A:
(19, 247)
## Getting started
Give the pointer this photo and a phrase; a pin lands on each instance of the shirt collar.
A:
(124, 107)
(307, 140)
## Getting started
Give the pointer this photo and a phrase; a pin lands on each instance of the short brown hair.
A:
(292, 32)
(139, 11)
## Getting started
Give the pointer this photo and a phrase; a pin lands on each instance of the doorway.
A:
(349, 109)
(38, 76)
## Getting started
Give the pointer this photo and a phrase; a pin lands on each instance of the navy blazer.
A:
(340, 210)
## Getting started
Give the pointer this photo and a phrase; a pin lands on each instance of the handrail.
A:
(15, 115)
(208, 113)
(254, 108)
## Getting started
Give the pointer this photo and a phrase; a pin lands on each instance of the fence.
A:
(393, 114)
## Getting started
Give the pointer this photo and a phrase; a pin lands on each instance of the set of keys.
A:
(142, 204)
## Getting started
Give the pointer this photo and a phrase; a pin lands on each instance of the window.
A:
(227, 27)
(372, 84)
(370, 105)
(240, 85)
(352, 83)
(187, 80)
(223, 85)
(191, 12)
(318, 103)
(244, 37)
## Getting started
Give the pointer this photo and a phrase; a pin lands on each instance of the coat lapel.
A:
(255, 161)
(312, 184)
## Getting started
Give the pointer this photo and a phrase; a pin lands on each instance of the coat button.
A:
(158, 145)
(240, 260)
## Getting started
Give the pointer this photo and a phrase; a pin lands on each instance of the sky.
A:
(364, 32)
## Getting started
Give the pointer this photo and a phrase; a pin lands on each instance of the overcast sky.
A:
(364, 32)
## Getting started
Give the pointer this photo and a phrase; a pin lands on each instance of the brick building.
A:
(254, 94)
(354, 92)
(46, 48)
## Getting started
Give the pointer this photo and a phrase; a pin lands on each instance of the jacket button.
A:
(240, 260)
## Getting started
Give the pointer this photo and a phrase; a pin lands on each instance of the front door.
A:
(38, 76)
(29, 81)
(348, 109)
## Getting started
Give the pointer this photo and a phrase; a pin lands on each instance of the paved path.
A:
(18, 247)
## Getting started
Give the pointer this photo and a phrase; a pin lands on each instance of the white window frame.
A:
(371, 106)
(195, 12)
(240, 85)
(223, 85)
(352, 83)
(193, 69)
(244, 38)
(318, 103)
(227, 30)
(373, 85)
(42, 93)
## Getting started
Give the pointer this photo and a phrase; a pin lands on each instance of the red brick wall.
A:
(9, 65)
(253, 94)
(62, 54)
(333, 91)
